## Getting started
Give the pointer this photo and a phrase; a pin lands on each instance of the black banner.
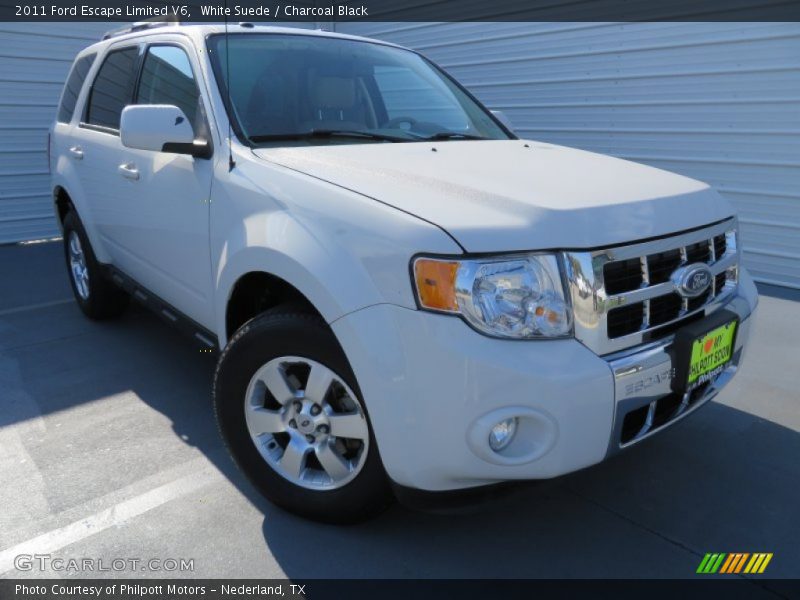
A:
(702, 587)
(266, 11)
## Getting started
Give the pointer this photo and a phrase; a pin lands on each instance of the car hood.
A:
(495, 196)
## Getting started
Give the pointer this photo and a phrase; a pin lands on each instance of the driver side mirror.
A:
(160, 128)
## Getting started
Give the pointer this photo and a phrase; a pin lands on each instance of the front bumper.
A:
(433, 387)
(644, 401)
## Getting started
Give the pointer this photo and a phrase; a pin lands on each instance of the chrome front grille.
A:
(625, 296)
(654, 269)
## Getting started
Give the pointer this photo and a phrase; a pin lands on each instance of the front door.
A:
(162, 228)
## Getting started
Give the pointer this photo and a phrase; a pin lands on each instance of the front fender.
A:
(288, 263)
(341, 250)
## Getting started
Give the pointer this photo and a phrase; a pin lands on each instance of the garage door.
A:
(715, 101)
(34, 61)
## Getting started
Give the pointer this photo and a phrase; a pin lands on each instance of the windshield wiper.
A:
(453, 135)
(325, 133)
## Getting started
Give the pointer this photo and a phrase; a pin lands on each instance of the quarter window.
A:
(73, 87)
(167, 78)
(113, 88)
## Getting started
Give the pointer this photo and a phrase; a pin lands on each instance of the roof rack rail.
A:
(142, 25)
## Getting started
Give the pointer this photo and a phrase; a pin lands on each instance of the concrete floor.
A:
(108, 449)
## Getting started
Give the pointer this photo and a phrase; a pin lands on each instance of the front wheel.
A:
(289, 409)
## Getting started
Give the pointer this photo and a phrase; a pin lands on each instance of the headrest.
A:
(333, 92)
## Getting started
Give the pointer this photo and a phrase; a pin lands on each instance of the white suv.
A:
(408, 298)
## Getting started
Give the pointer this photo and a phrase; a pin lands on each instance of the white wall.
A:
(715, 101)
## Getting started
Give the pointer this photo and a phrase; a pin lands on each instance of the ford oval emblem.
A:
(692, 280)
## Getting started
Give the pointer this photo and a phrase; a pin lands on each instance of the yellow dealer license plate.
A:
(711, 353)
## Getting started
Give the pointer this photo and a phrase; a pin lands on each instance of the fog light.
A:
(501, 434)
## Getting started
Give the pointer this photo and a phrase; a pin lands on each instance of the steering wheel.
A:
(392, 123)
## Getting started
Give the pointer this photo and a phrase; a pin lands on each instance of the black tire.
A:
(287, 331)
(104, 299)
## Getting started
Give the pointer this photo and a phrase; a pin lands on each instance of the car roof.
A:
(201, 31)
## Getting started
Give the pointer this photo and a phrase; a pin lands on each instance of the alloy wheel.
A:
(77, 266)
(306, 423)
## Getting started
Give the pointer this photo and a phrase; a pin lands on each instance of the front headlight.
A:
(518, 297)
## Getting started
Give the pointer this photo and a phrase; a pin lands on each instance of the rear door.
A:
(96, 150)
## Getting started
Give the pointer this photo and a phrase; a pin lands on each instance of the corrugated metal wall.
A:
(715, 101)
(34, 61)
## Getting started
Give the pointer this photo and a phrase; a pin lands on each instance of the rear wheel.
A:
(97, 297)
(289, 409)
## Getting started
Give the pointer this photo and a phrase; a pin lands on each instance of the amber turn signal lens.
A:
(551, 316)
(436, 284)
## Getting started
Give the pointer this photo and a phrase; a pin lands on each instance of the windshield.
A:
(301, 89)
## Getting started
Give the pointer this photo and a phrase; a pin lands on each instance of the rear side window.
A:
(113, 88)
(73, 87)
(167, 78)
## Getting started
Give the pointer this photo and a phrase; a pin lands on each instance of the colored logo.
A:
(692, 280)
(735, 562)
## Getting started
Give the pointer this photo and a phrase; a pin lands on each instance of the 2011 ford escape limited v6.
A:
(406, 295)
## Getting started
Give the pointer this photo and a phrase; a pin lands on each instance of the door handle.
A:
(76, 152)
(128, 170)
